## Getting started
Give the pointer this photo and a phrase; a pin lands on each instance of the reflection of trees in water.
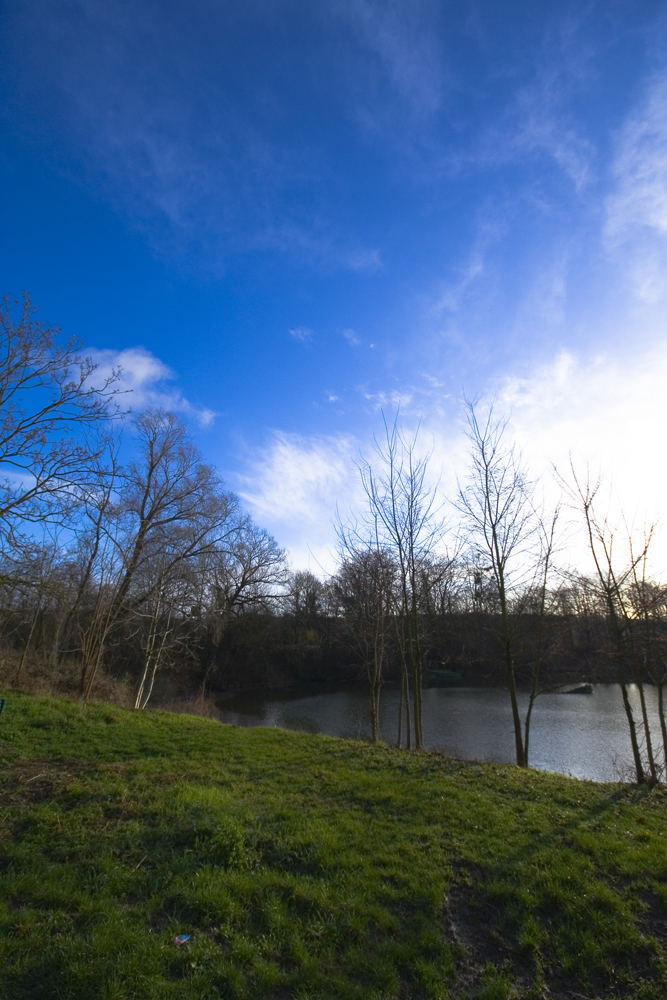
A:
(586, 737)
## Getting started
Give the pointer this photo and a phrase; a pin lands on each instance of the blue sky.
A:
(281, 217)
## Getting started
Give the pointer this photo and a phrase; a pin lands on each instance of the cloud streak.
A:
(161, 113)
(602, 412)
(403, 39)
(294, 484)
(637, 208)
(606, 413)
(640, 167)
(145, 380)
(301, 333)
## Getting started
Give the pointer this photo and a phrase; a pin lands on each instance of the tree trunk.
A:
(521, 758)
(28, 640)
(647, 733)
(639, 767)
(375, 709)
(404, 707)
(416, 660)
(529, 714)
(406, 701)
(93, 671)
(663, 727)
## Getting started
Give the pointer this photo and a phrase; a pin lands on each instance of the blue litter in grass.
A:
(181, 939)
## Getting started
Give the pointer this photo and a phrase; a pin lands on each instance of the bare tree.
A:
(638, 559)
(541, 602)
(170, 503)
(364, 591)
(34, 576)
(615, 574)
(159, 620)
(402, 516)
(97, 506)
(497, 505)
(245, 571)
(648, 602)
(305, 608)
(305, 596)
(48, 401)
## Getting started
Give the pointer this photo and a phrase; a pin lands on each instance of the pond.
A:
(578, 734)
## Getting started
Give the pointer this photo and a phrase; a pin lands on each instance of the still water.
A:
(582, 735)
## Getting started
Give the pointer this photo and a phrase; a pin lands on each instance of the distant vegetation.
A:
(127, 568)
(303, 866)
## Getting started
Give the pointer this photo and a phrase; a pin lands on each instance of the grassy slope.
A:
(306, 867)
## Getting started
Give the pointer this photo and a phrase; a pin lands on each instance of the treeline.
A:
(124, 557)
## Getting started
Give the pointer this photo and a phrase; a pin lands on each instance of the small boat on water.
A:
(580, 689)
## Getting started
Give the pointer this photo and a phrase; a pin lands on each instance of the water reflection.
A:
(582, 735)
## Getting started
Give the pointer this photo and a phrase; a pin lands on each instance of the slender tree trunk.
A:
(516, 715)
(153, 656)
(541, 642)
(405, 707)
(406, 702)
(647, 733)
(521, 758)
(156, 663)
(375, 709)
(372, 700)
(416, 658)
(29, 639)
(621, 650)
(93, 673)
(663, 727)
(66, 624)
(611, 592)
(55, 645)
(92, 649)
(529, 714)
(148, 661)
(534, 690)
(375, 695)
(378, 661)
(636, 753)
(150, 646)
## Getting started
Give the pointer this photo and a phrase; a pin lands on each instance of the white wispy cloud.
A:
(145, 381)
(640, 167)
(543, 125)
(351, 337)
(364, 260)
(390, 399)
(301, 333)
(147, 116)
(607, 414)
(542, 116)
(453, 293)
(293, 486)
(637, 208)
(403, 38)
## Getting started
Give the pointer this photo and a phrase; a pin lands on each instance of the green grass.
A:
(310, 867)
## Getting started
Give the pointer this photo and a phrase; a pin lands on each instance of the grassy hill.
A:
(306, 867)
